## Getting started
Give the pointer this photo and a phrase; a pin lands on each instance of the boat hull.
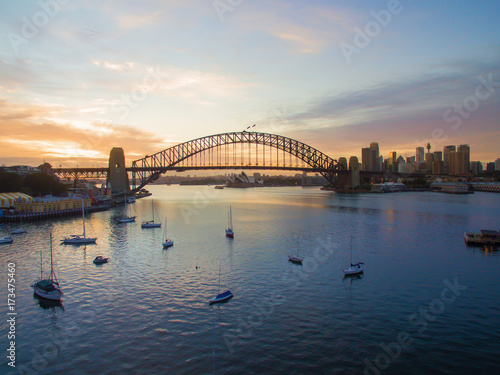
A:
(151, 225)
(168, 243)
(6, 240)
(54, 293)
(126, 220)
(477, 239)
(295, 259)
(79, 241)
(226, 296)
(101, 261)
(353, 271)
(18, 231)
(52, 296)
(229, 233)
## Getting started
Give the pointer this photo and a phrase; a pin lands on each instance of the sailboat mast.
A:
(51, 269)
(83, 218)
(41, 259)
(351, 248)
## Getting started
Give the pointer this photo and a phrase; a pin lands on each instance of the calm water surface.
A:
(146, 311)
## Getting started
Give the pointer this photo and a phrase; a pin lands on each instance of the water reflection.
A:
(47, 304)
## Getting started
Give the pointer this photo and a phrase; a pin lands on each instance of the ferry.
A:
(484, 237)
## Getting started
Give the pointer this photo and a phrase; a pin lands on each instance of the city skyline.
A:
(81, 78)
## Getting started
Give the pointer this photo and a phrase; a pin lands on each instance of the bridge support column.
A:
(118, 178)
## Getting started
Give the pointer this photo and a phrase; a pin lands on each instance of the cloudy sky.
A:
(80, 77)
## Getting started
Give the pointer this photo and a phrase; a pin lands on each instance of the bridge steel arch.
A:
(151, 167)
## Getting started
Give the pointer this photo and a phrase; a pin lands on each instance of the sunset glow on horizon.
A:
(78, 78)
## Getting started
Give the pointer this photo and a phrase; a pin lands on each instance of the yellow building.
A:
(51, 204)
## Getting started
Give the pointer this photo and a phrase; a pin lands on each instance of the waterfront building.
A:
(22, 170)
(497, 164)
(49, 203)
(388, 187)
(8, 200)
(446, 157)
(419, 155)
(490, 167)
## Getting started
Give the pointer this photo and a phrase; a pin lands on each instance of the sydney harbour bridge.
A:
(235, 150)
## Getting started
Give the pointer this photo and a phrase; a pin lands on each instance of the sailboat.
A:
(229, 230)
(296, 258)
(225, 296)
(19, 230)
(129, 218)
(6, 239)
(48, 288)
(77, 239)
(166, 241)
(151, 223)
(354, 268)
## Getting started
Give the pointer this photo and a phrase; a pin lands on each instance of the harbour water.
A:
(425, 304)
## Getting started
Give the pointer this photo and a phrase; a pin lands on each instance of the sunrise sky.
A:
(80, 77)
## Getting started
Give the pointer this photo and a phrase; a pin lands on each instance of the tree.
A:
(10, 182)
(43, 184)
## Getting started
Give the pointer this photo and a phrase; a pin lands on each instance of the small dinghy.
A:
(100, 260)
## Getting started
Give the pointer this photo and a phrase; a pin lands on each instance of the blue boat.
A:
(222, 297)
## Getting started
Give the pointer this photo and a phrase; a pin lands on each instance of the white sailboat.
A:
(354, 268)
(225, 296)
(229, 230)
(296, 258)
(166, 241)
(19, 230)
(129, 218)
(6, 239)
(151, 223)
(48, 288)
(77, 239)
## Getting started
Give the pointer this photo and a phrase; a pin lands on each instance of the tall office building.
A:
(354, 167)
(466, 150)
(366, 158)
(343, 163)
(419, 155)
(375, 156)
(438, 156)
(392, 164)
(437, 167)
(429, 160)
(457, 163)
(497, 164)
(446, 157)
(476, 167)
